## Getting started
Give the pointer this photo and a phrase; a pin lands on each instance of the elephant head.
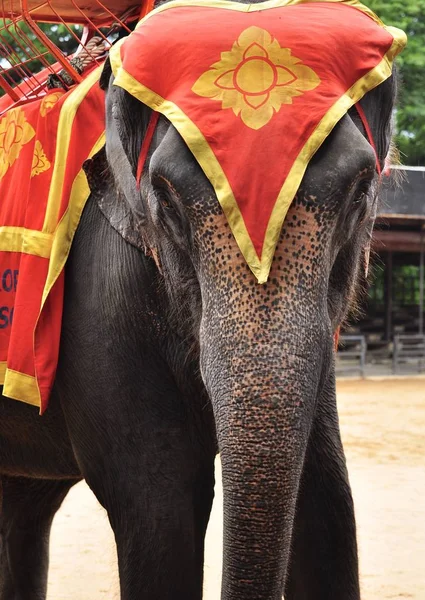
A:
(266, 351)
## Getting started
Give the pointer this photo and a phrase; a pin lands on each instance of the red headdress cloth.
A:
(254, 90)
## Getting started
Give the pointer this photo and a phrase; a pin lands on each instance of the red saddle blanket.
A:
(254, 90)
(43, 190)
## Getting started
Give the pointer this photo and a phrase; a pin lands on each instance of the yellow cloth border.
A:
(227, 5)
(68, 224)
(205, 156)
(57, 245)
(25, 388)
(20, 386)
(26, 241)
(372, 79)
(64, 132)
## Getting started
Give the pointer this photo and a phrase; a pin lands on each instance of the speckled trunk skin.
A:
(261, 360)
(266, 354)
(323, 561)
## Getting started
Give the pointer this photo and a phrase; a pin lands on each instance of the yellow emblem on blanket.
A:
(15, 132)
(49, 101)
(40, 162)
(256, 77)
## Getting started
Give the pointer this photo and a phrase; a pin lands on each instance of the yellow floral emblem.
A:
(256, 77)
(15, 132)
(49, 101)
(40, 162)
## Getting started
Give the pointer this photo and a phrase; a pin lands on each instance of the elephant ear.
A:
(115, 209)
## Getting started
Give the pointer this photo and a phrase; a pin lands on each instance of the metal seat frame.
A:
(21, 22)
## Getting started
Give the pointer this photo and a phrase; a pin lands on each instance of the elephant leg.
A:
(324, 563)
(161, 552)
(27, 508)
(159, 521)
(158, 492)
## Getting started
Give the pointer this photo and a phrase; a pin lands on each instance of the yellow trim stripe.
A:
(207, 160)
(225, 4)
(20, 386)
(25, 388)
(55, 240)
(64, 131)
(375, 77)
(203, 154)
(68, 224)
(27, 241)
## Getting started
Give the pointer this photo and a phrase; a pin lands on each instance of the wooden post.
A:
(421, 286)
(388, 287)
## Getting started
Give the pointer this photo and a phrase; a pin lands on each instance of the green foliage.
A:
(406, 281)
(409, 16)
(405, 285)
(25, 45)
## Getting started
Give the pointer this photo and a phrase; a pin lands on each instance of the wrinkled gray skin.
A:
(159, 367)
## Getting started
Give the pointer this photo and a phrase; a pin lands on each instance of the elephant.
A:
(171, 352)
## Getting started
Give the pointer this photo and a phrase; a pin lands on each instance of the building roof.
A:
(403, 193)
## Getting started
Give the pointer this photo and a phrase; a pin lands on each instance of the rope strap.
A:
(145, 146)
(369, 136)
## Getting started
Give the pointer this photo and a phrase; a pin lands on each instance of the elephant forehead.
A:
(254, 91)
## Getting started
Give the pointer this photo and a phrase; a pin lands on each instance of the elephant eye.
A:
(362, 193)
(162, 191)
(360, 197)
(163, 198)
(164, 201)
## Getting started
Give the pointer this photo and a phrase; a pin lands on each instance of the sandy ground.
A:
(383, 426)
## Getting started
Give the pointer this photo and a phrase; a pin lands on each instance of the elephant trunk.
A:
(263, 390)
